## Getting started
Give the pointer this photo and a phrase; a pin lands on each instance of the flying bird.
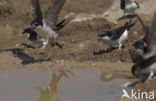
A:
(146, 69)
(128, 6)
(48, 23)
(116, 36)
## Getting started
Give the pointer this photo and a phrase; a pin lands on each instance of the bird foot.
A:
(57, 44)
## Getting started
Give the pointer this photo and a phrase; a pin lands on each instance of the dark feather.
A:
(51, 16)
(151, 36)
(145, 63)
(122, 4)
(135, 57)
(115, 34)
(63, 23)
(36, 10)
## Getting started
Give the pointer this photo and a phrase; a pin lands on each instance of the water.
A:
(44, 85)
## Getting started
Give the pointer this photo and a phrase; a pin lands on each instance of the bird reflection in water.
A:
(51, 92)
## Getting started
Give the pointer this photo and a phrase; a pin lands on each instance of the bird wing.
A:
(53, 11)
(151, 36)
(115, 34)
(36, 10)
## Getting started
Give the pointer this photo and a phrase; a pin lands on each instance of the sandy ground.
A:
(79, 38)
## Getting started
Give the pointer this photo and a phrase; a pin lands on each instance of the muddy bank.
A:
(79, 40)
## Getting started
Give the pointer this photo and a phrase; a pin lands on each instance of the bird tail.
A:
(63, 23)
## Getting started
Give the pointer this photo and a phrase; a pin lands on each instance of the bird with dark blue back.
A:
(116, 36)
(146, 68)
(128, 6)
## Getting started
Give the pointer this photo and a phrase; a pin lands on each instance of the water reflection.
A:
(50, 93)
(109, 76)
(74, 85)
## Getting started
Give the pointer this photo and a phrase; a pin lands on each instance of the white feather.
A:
(123, 36)
(48, 30)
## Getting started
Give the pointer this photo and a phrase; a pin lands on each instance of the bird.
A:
(48, 23)
(141, 46)
(146, 68)
(117, 35)
(34, 37)
(128, 6)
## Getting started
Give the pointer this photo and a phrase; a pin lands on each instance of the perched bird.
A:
(128, 6)
(116, 36)
(48, 23)
(146, 69)
(34, 37)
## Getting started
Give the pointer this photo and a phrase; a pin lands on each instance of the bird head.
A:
(37, 22)
(29, 32)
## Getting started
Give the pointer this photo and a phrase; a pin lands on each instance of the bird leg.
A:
(120, 46)
(56, 43)
(59, 45)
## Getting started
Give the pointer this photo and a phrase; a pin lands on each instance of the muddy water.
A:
(44, 85)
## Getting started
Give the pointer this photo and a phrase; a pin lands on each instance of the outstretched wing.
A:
(151, 36)
(36, 10)
(53, 11)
